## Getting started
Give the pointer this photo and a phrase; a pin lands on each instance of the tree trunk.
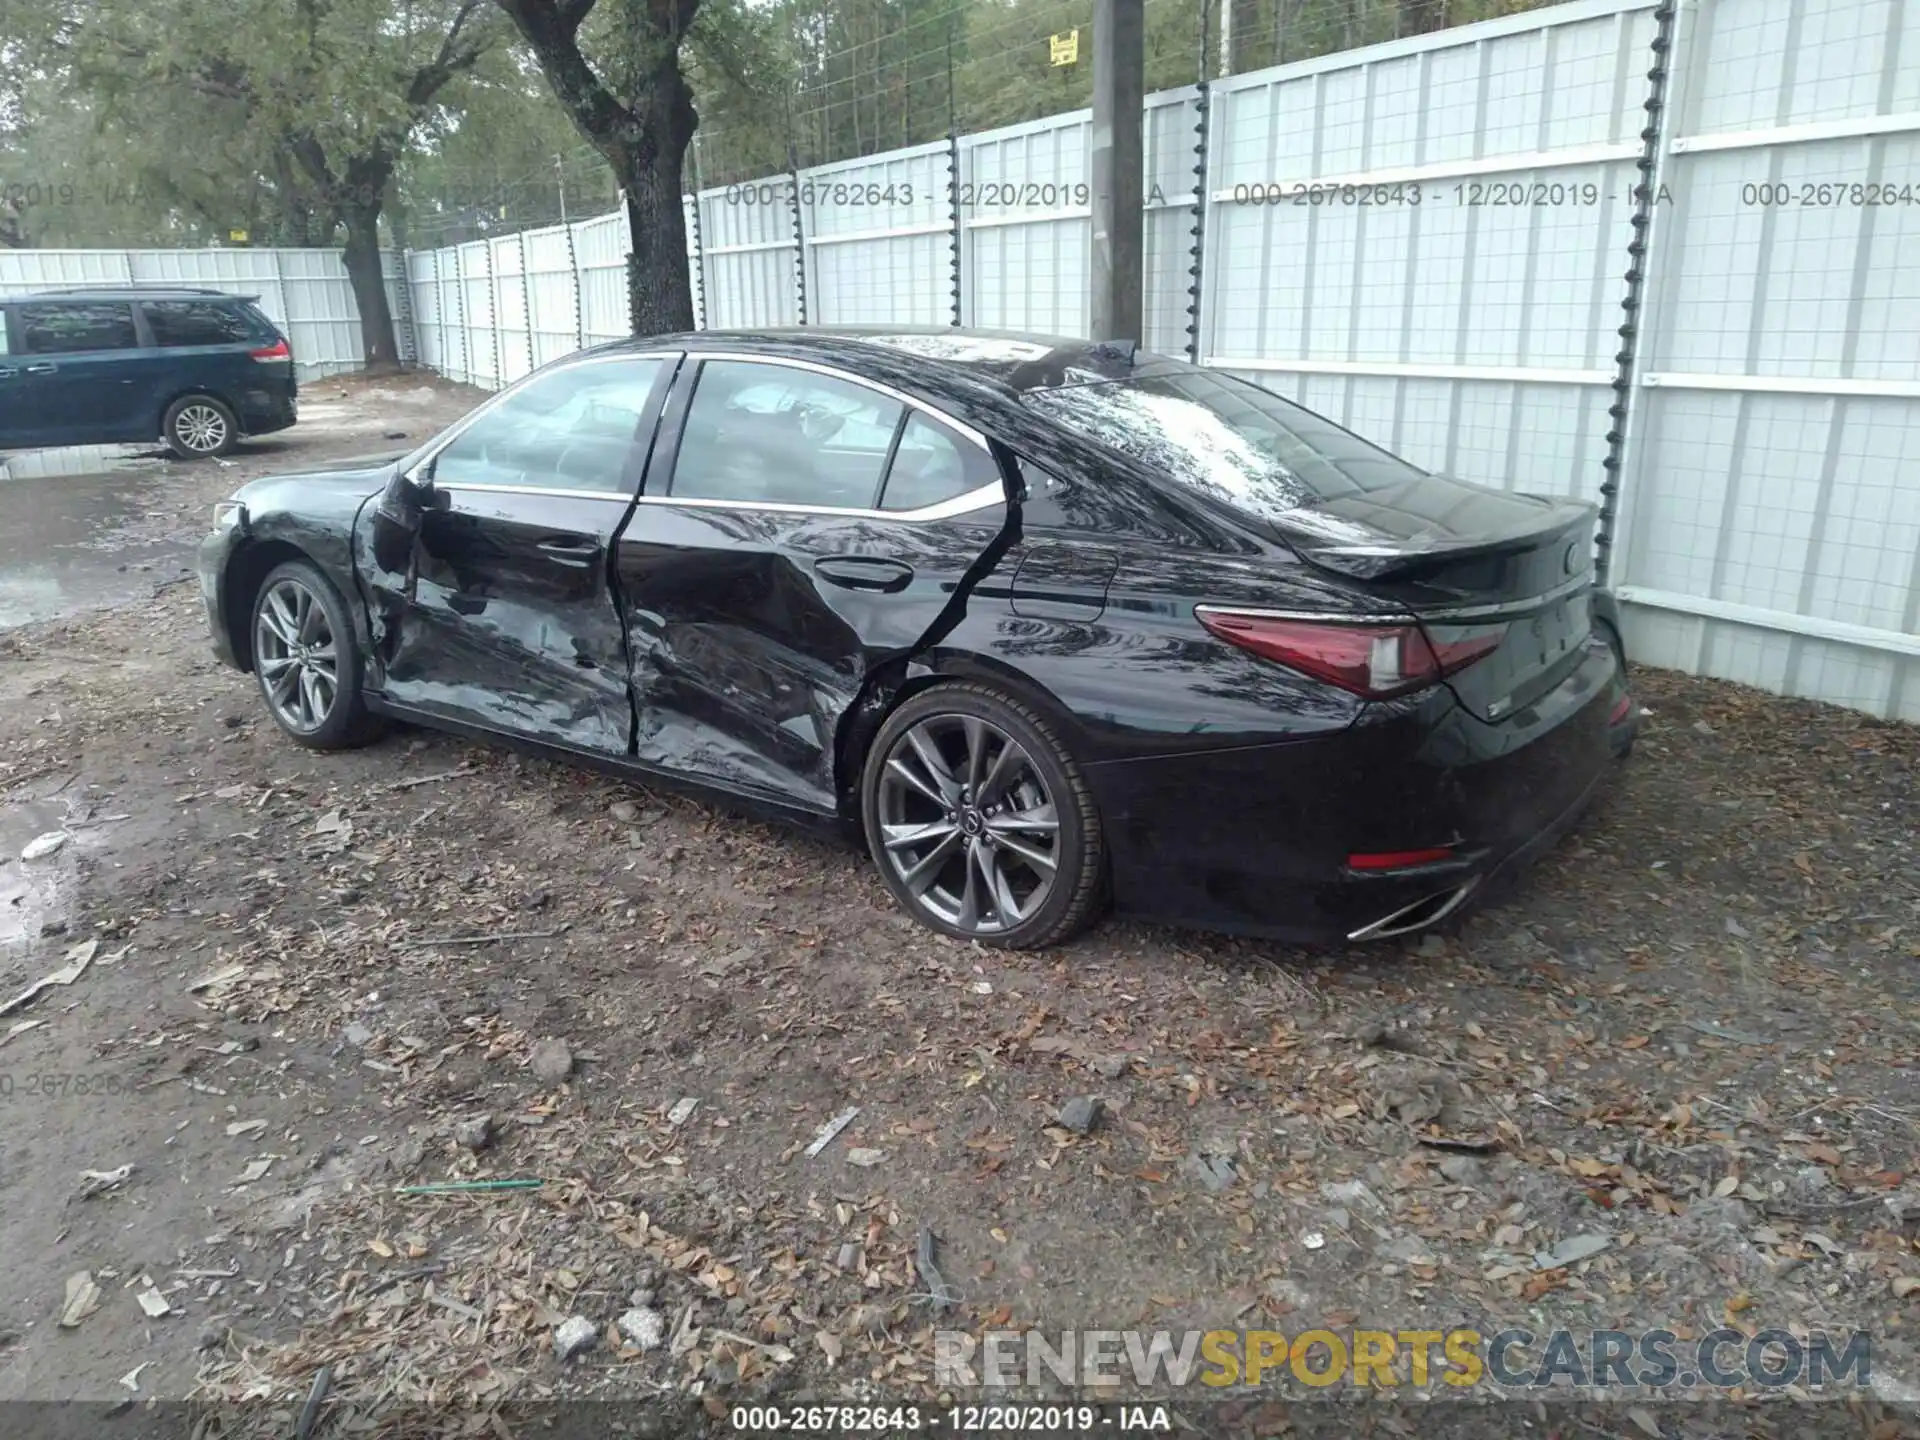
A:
(1422, 17)
(362, 254)
(659, 293)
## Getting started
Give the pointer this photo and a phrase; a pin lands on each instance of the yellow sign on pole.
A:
(237, 237)
(1064, 49)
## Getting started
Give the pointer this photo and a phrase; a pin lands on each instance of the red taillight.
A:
(1375, 661)
(1398, 859)
(279, 350)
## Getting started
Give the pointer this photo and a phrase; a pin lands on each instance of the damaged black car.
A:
(1054, 626)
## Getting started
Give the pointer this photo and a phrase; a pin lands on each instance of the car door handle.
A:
(570, 549)
(42, 369)
(863, 572)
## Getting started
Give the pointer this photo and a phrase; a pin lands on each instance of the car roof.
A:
(126, 292)
(1008, 360)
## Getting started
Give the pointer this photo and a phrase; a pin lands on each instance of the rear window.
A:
(199, 322)
(1233, 441)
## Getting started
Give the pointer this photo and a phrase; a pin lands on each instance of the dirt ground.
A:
(1685, 1050)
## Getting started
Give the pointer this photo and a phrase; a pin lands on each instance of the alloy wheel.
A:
(967, 824)
(200, 428)
(297, 655)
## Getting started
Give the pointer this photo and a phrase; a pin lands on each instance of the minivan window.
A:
(196, 322)
(1265, 456)
(65, 326)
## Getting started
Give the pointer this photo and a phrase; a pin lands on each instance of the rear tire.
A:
(199, 427)
(308, 662)
(980, 822)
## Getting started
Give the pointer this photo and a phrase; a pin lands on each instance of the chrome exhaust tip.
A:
(1428, 910)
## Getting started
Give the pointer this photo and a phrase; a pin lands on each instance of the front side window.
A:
(197, 322)
(775, 435)
(69, 326)
(1265, 456)
(574, 429)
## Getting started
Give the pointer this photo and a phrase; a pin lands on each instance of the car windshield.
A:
(1265, 456)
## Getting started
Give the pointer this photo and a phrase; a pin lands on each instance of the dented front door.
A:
(498, 609)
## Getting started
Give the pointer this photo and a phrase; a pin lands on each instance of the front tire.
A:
(307, 660)
(981, 823)
(199, 427)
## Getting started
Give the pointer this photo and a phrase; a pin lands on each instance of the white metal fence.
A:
(1429, 241)
(304, 292)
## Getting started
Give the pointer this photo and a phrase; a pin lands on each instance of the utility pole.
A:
(1119, 94)
(560, 169)
(1226, 40)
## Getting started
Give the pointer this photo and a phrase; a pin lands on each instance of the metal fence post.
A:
(526, 304)
(1626, 432)
(1196, 268)
(699, 247)
(579, 300)
(460, 316)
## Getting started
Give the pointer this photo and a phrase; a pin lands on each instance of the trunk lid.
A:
(1464, 558)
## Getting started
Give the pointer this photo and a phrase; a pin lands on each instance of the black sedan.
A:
(1052, 624)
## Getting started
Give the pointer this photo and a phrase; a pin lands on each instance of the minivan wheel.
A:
(199, 426)
(307, 661)
(980, 822)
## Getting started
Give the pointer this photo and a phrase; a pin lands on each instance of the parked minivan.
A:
(124, 365)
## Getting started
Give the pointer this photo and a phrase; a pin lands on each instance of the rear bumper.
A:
(1256, 840)
(267, 408)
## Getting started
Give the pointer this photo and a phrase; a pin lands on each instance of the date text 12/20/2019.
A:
(955, 1419)
(1502, 194)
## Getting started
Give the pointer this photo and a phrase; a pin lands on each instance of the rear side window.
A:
(198, 322)
(928, 467)
(1236, 442)
(64, 327)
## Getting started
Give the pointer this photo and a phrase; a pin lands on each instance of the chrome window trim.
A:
(487, 407)
(981, 498)
(611, 496)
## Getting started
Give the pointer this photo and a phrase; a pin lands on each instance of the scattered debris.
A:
(682, 1111)
(256, 1170)
(1722, 1032)
(1314, 1240)
(83, 1298)
(1571, 1251)
(132, 1378)
(225, 975)
(357, 1035)
(316, 1395)
(98, 1182)
(78, 958)
(866, 1159)
(1110, 1067)
(248, 1128)
(1081, 1114)
(644, 1327)
(832, 1128)
(625, 811)
(42, 846)
(21, 1028)
(551, 1061)
(575, 1336)
(153, 1302)
(1216, 1173)
(464, 1187)
(474, 1134)
(1461, 1169)
(939, 1293)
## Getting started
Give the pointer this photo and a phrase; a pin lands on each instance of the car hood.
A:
(332, 491)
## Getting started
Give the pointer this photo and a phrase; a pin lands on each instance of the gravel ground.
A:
(1669, 1083)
